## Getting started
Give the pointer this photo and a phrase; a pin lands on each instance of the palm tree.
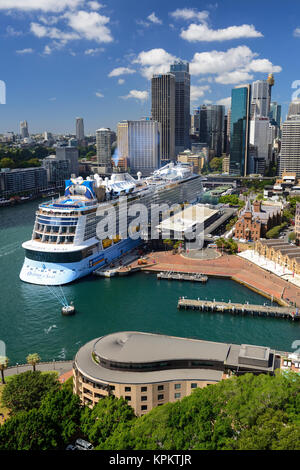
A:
(33, 359)
(3, 365)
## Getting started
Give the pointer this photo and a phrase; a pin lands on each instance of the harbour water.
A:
(31, 320)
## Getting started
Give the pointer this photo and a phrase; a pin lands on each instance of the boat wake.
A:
(47, 330)
(9, 249)
(62, 354)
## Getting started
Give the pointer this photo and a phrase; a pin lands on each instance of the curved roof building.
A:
(150, 369)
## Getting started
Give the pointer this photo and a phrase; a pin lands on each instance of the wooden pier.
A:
(239, 309)
(179, 276)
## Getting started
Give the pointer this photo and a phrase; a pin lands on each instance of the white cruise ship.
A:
(64, 244)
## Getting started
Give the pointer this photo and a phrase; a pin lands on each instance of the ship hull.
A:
(54, 274)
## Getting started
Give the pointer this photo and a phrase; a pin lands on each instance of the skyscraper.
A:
(261, 97)
(163, 111)
(79, 129)
(275, 113)
(239, 129)
(289, 158)
(180, 70)
(211, 122)
(24, 129)
(103, 144)
(71, 154)
(139, 142)
(294, 108)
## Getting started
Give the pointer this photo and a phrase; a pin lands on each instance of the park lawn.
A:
(3, 410)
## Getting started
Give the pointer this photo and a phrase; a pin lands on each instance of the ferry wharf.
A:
(290, 313)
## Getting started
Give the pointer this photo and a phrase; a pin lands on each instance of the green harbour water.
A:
(31, 320)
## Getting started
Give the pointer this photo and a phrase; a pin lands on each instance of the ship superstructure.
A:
(65, 244)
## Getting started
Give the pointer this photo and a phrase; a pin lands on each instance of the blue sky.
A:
(66, 58)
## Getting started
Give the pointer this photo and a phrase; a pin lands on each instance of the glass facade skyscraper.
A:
(239, 130)
(180, 70)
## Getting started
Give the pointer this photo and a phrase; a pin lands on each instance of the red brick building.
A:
(255, 221)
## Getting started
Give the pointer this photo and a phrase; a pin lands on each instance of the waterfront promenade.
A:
(61, 367)
(229, 266)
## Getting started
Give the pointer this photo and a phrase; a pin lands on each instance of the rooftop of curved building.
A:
(133, 347)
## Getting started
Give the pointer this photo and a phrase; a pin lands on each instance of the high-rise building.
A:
(275, 113)
(261, 139)
(261, 97)
(180, 70)
(103, 144)
(139, 142)
(57, 170)
(294, 108)
(163, 111)
(24, 129)
(71, 154)
(289, 158)
(22, 179)
(79, 129)
(239, 129)
(211, 121)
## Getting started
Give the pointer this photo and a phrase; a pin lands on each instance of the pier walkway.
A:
(179, 276)
(240, 309)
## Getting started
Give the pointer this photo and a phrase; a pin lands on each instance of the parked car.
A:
(81, 444)
(71, 447)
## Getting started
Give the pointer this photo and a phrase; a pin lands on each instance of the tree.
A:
(292, 236)
(7, 163)
(33, 359)
(168, 243)
(25, 391)
(216, 164)
(28, 431)
(3, 365)
(64, 408)
(100, 422)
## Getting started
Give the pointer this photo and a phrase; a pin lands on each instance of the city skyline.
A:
(81, 61)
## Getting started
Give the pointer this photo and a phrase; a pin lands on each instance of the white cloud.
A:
(154, 61)
(296, 32)
(42, 31)
(230, 67)
(202, 32)
(138, 95)
(198, 91)
(264, 65)
(90, 25)
(190, 14)
(12, 32)
(95, 5)
(215, 62)
(225, 102)
(153, 18)
(52, 99)
(231, 78)
(25, 51)
(94, 51)
(121, 81)
(121, 71)
(99, 95)
(43, 5)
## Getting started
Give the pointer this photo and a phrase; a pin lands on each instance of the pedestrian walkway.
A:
(58, 366)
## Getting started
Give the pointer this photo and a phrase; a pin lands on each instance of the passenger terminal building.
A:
(149, 370)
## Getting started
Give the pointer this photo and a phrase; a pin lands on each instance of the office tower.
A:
(139, 142)
(227, 150)
(294, 108)
(260, 140)
(73, 142)
(209, 120)
(163, 111)
(57, 170)
(71, 154)
(275, 113)
(180, 70)
(239, 129)
(103, 144)
(261, 97)
(24, 129)
(289, 158)
(79, 129)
